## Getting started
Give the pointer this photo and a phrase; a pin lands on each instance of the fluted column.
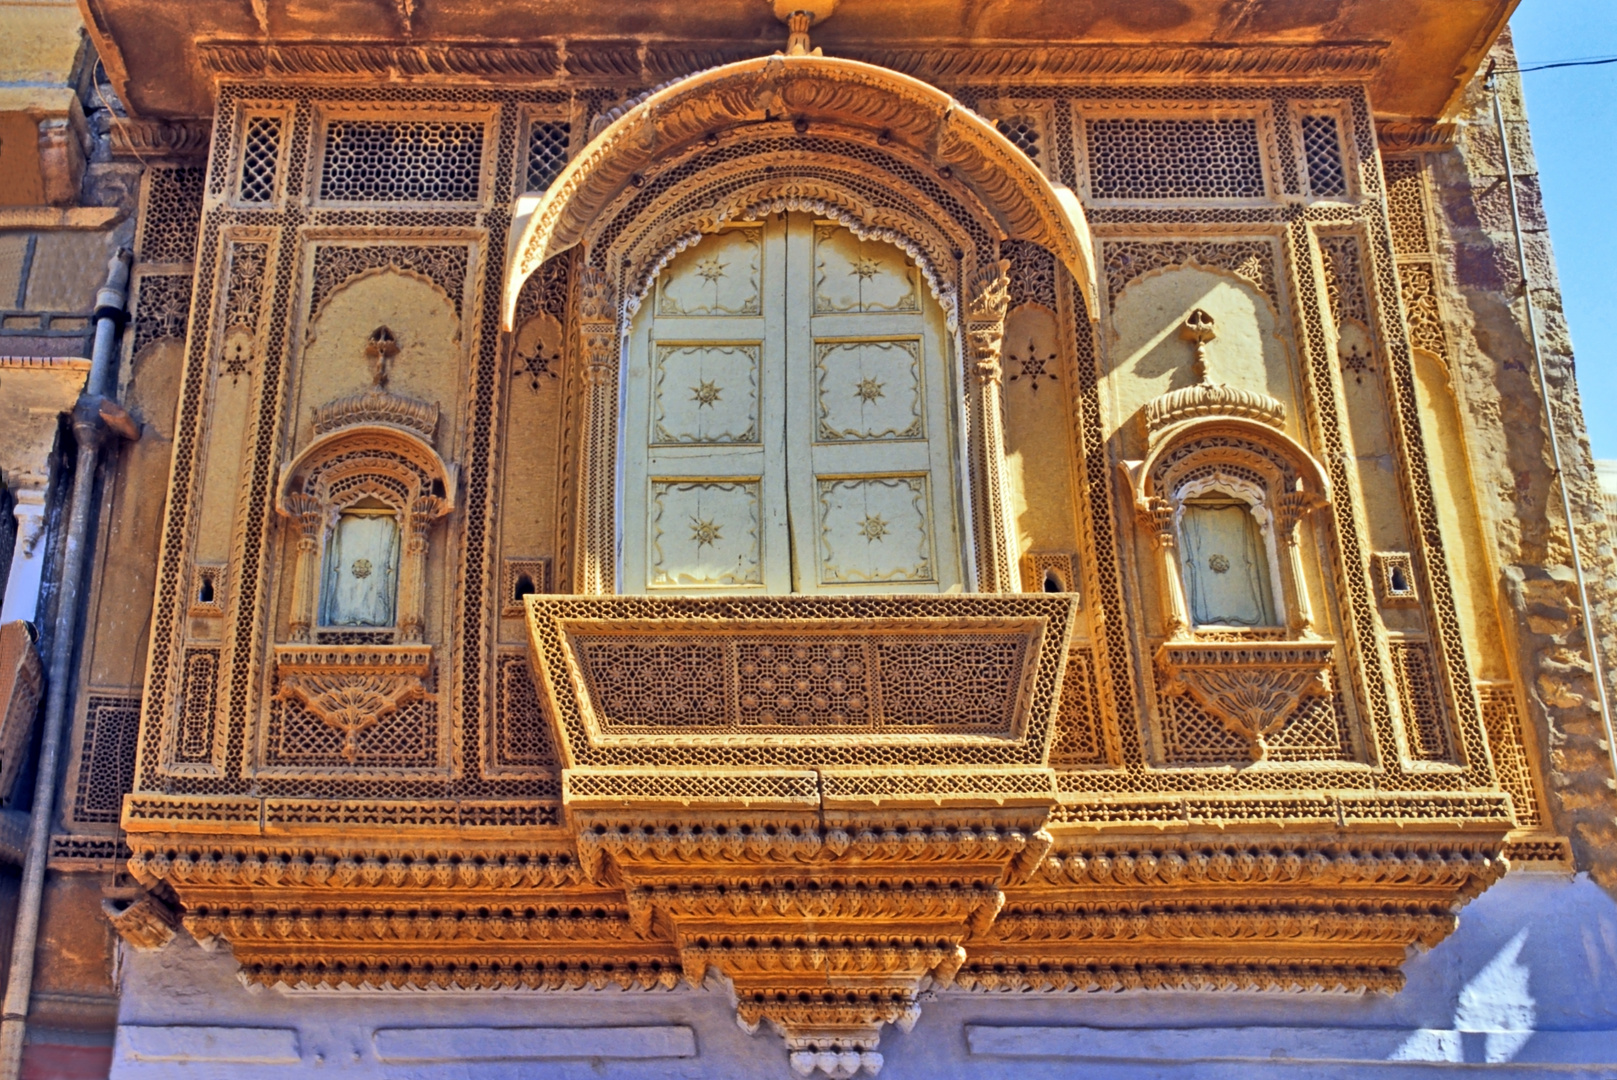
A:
(595, 567)
(307, 512)
(1292, 505)
(988, 298)
(1157, 518)
(413, 573)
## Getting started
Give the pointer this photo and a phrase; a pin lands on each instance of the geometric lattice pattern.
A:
(1317, 730)
(1135, 158)
(260, 159)
(548, 142)
(1406, 206)
(786, 684)
(1079, 738)
(522, 737)
(402, 161)
(406, 738)
(171, 215)
(1426, 722)
(1322, 148)
(1023, 133)
(107, 762)
(1502, 720)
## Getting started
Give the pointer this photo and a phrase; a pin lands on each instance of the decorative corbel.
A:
(799, 15)
(988, 300)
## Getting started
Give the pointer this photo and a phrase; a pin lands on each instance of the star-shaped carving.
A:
(536, 365)
(865, 267)
(868, 389)
(1033, 366)
(711, 269)
(705, 394)
(873, 528)
(704, 532)
(1355, 362)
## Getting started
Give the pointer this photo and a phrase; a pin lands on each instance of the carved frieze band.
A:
(1253, 261)
(648, 63)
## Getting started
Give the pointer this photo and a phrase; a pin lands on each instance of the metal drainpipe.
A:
(1589, 632)
(92, 415)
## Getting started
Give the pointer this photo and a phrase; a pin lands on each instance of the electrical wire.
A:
(1591, 61)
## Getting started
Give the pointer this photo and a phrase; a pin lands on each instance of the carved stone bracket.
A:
(1251, 688)
(142, 920)
(350, 688)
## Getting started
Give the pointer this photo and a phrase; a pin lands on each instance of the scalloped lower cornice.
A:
(954, 64)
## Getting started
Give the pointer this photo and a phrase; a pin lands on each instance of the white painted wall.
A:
(1527, 987)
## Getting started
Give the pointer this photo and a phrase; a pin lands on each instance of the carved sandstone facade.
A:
(841, 524)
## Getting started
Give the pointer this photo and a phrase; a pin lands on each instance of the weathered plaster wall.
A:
(1494, 381)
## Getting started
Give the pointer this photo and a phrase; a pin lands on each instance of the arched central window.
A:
(789, 420)
(1226, 562)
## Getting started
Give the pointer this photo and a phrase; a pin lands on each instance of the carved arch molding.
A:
(887, 155)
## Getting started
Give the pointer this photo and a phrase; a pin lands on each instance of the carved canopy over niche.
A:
(884, 155)
(746, 100)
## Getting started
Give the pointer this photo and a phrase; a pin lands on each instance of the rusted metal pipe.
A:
(95, 413)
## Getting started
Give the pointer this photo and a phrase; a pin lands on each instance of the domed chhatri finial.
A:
(799, 15)
(1199, 328)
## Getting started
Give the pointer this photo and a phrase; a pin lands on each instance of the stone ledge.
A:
(220, 1045)
(1291, 1045)
(432, 1046)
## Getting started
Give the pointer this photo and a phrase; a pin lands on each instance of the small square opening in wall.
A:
(1395, 577)
(522, 578)
(208, 591)
(1050, 571)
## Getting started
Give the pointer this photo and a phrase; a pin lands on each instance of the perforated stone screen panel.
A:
(1150, 158)
(402, 161)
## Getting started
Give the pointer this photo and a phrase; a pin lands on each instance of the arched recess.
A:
(884, 154)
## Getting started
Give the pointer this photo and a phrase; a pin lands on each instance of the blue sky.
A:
(1573, 112)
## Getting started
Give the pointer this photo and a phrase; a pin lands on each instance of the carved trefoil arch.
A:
(887, 156)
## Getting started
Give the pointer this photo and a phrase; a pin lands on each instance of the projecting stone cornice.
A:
(956, 63)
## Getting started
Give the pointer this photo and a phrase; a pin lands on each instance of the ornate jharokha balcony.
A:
(836, 804)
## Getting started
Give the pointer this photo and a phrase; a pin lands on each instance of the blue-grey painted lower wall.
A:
(1526, 987)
